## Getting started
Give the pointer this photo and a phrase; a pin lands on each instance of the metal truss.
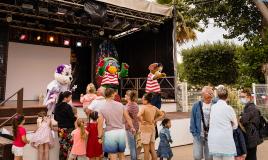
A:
(43, 20)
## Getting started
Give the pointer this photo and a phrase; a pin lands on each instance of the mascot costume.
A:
(152, 85)
(61, 83)
(108, 68)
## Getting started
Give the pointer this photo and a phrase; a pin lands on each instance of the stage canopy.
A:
(142, 6)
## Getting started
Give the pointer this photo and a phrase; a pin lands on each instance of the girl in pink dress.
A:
(89, 97)
(42, 139)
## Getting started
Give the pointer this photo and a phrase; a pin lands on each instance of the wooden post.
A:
(20, 101)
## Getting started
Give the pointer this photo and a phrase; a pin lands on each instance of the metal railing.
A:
(139, 84)
(19, 95)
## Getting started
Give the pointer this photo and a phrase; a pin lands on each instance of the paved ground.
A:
(185, 152)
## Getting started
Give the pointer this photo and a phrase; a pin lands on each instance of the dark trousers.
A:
(252, 154)
(156, 101)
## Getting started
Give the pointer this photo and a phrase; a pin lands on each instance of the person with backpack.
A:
(250, 119)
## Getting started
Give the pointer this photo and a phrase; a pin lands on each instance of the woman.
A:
(65, 117)
(148, 116)
(222, 122)
(133, 110)
(114, 114)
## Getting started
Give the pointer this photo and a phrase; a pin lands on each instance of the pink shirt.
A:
(87, 99)
(18, 142)
(79, 145)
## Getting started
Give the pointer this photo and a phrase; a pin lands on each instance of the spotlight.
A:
(9, 18)
(23, 37)
(101, 32)
(78, 44)
(51, 39)
(38, 38)
(66, 42)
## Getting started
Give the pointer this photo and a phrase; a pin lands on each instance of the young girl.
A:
(164, 150)
(42, 138)
(79, 141)
(90, 96)
(94, 148)
(19, 134)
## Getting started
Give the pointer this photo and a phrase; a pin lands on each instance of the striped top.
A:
(152, 85)
(110, 79)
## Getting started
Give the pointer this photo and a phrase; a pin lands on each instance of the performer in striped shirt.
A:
(152, 85)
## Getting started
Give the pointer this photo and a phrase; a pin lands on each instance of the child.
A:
(94, 148)
(164, 150)
(90, 96)
(19, 134)
(79, 141)
(42, 138)
(240, 143)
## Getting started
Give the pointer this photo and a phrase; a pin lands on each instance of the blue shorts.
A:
(115, 141)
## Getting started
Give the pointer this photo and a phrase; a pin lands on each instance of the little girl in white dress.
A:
(43, 139)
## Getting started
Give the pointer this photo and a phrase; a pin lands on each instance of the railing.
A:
(19, 94)
(139, 84)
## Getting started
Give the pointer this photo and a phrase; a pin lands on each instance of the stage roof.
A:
(142, 6)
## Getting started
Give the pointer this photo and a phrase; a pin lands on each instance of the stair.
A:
(30, 111)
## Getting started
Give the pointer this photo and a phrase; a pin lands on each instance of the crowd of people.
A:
(110, 124)
(219, 133)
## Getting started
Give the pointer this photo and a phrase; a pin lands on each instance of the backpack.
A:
(263, 127)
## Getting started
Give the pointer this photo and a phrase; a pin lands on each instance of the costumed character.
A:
(108, 69)
(61, 83)
(152, 85)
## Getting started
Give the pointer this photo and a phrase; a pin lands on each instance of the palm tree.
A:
(185, 22)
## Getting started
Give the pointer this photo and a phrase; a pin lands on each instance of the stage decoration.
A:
(108, 68)
(61, 83)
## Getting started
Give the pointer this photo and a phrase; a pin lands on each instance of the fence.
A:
(260, 92)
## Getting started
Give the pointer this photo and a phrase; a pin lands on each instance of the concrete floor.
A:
(185, 152)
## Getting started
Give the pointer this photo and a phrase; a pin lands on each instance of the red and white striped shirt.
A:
(152, 85)
(110, 79)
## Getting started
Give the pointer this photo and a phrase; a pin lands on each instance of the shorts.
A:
(78, 157)
(147, 137)
(115, 141)
(17, 151)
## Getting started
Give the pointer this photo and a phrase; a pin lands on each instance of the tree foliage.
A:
(211, 64)
(240, 18)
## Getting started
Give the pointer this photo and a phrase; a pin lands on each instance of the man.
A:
(200, 124)
(250, 119)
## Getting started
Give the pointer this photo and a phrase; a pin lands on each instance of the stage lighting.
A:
(38, 38)
(78, 44)
(51, 39)
(9, 18)
(66, 42)
(101, 32)
(23, 37)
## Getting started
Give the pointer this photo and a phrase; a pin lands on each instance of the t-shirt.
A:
(152, 85)
(96, 103)
(133, 110)
(206, 110)
(148, 113)
(18, 142)
(87, 99)
(113, 113)
(79, 144)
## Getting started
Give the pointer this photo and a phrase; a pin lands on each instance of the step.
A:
(29, 111)
(28, 120)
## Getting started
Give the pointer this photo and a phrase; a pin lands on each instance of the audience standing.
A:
(222, 122)
(65, 117)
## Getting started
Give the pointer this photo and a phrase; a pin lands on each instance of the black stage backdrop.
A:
(141, 49)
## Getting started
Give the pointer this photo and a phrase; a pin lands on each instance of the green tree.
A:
(241, 18)
(211, 64)
(186, 22)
